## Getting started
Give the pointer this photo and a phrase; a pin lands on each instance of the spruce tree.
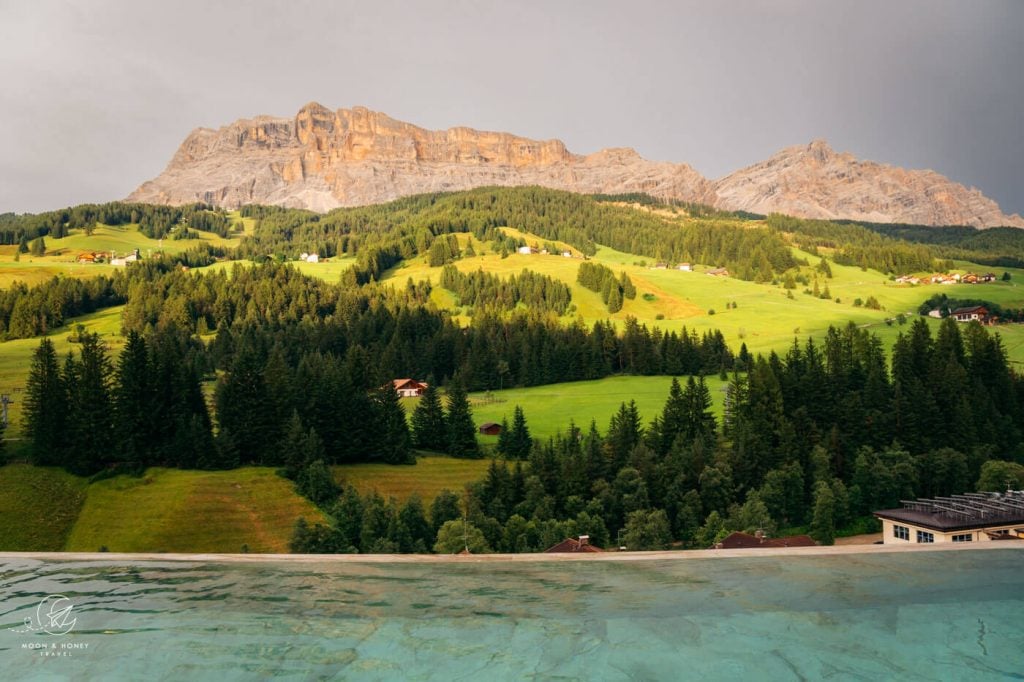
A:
(134, 405)
(393, 442)
(429, 429)
(700, 420)
(45, 410)
(461, 430)
(91, 409)
(614, 298)
(520, 442)
(823, 522)
(316, 483)
(413, 519)
(628, 290)
(505, 440)
(242, 408)
(673, 420)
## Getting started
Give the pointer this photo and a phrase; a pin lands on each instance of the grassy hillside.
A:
(38, 507)
(170, 510)
(428, 477)
(549, 409)
(764, 317)
(61, 256)
(16, 356)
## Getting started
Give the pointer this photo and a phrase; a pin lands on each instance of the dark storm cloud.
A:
(96, 96)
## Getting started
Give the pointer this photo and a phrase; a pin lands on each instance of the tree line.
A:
(812, 441)
(479, 289)
(380, 236)
(154, 221)
(600, 278)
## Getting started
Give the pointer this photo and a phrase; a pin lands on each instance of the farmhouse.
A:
(526, 250)
(409, 388)
(718, 272)
(573, 546)
(976, 313)
(759, 539)
(567, 254)
(490, 429)
(309, 257)
(88, 257)
(971, 517)
(685, 267)
(124, 260)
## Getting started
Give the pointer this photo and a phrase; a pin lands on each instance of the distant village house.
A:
(409, 388)
(978, 313)
(124, 260)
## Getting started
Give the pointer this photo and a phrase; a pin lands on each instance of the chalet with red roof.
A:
(409, 388)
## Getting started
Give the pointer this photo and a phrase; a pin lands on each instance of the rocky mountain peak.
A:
(321, 159)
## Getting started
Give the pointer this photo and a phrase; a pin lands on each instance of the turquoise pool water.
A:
(913, 616)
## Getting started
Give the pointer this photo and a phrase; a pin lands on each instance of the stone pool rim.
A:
(666, 555)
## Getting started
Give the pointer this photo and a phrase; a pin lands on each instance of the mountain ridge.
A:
(322, 159)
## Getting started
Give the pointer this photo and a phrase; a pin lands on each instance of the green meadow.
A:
(761, 315)
(170, 510)
(429, 476)
(38, 507)
(16, 357)
(550, 409)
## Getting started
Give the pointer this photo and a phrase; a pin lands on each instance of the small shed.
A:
(490, 429)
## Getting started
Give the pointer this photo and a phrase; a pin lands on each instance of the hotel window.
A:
(923, 536)
(901, 532)
(965, 537)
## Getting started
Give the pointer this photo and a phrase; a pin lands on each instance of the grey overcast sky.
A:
(95, 96)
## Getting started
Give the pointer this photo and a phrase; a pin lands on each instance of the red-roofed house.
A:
(746, 541)
(573, 546)
(409, 388)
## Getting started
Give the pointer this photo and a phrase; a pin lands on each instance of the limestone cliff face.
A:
(323, 159)
(813, 181)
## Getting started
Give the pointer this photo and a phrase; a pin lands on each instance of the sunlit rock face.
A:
(813, 181)
(322, 159)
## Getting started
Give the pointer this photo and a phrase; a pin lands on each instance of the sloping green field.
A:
(16, 357)
(38, 507)
(761, 315)
(428, 477)
(169, 510)
(549, 409)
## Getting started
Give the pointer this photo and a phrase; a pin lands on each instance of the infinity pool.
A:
(954, 615)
